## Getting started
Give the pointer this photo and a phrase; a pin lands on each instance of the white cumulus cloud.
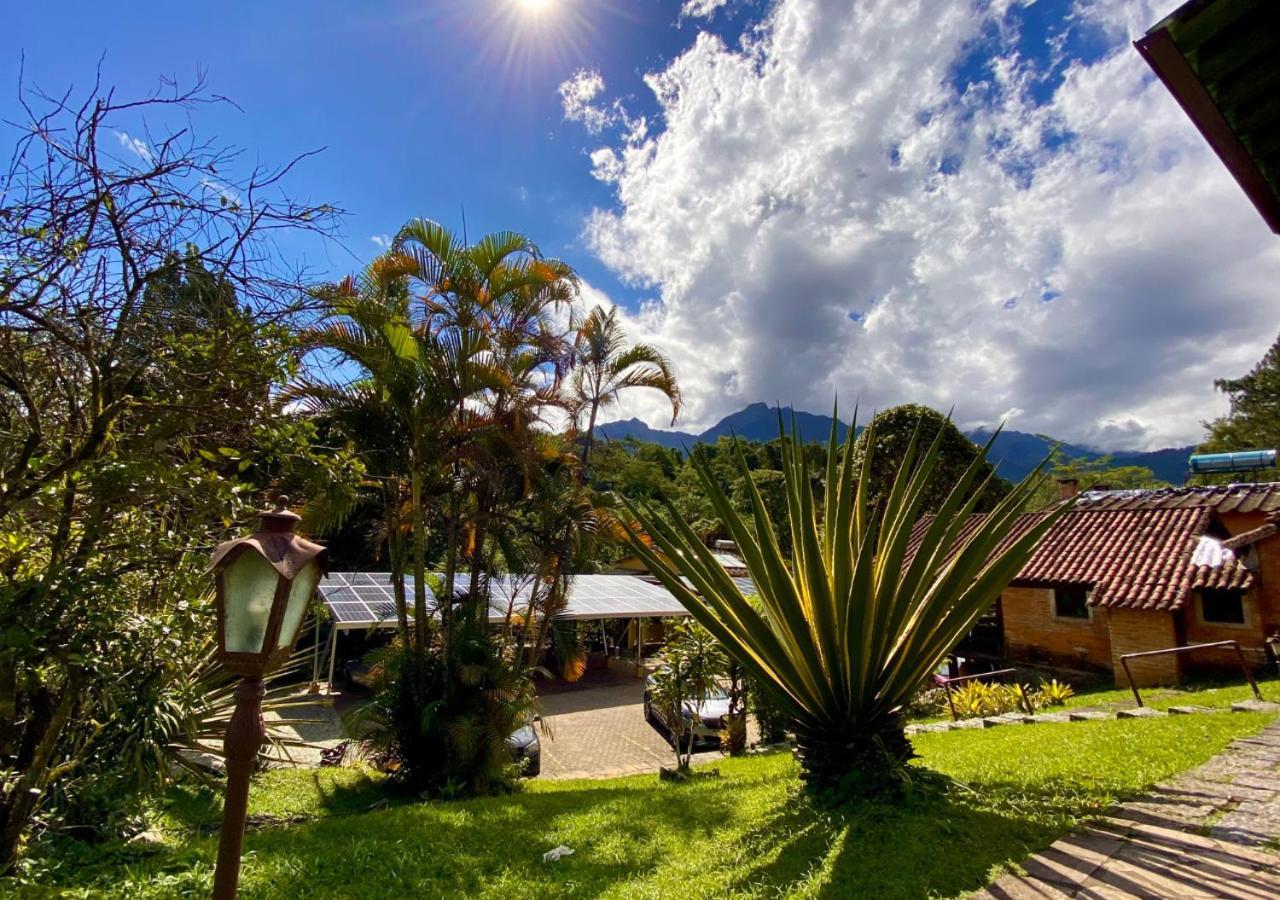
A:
(701, 9)
(136, 146)
(827, 209)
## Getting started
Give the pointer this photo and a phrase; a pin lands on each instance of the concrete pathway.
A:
(1213, 831)
(601, 732)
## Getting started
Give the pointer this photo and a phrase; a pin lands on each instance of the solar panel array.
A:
(619, 597)
(745, 585)
(364, 599)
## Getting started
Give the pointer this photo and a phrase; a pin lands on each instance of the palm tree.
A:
(493, 304)
(849, 628)
(392, 412)
(604, 367)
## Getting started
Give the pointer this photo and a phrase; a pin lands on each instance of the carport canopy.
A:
(365, 600)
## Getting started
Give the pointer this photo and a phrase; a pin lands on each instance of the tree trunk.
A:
(395, 554)
(857, 761)
(591, 436)
(20, 803)
(419, 565)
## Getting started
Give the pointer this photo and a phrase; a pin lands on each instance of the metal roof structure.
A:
(1221, 61)
(363, 600)
(1262, 496)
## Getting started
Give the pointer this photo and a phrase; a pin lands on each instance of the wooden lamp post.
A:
(264, 584)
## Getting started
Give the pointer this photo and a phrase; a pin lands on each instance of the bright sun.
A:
(534, 6)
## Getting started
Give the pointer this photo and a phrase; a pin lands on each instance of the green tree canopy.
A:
(1093, 474)
(1253, 422)
(892, 435)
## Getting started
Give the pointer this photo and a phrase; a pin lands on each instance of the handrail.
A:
(946, 683)
(1235, 645)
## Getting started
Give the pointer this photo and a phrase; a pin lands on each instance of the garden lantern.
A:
(264, 584)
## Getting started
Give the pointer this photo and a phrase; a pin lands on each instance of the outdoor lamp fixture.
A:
(264, 584)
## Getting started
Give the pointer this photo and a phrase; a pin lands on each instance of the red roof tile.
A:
(1227, 498)
(1134, 558)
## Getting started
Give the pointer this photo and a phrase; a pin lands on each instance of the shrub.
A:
(1053, 693)
(976, 699)
(928, 702)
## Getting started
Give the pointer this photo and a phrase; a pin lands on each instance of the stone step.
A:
(1140, 712)
(1053, 717)
(1194, 710)
(1255, 706)
(964, 724)
(1087, 715)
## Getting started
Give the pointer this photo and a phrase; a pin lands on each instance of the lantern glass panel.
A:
(250, 586)
(304, 585)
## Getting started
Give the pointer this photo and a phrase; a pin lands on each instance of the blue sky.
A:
(425, 107)
(989, 205)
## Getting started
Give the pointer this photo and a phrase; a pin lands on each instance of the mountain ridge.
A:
(1014, 453)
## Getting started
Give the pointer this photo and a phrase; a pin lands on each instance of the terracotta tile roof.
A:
(1135, 558)
(1227, 498)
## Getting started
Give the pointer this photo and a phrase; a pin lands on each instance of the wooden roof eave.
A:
(1164, 57)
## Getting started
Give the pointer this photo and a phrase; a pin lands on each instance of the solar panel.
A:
(362, 598)
(365, 598)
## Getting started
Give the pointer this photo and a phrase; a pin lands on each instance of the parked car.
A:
(527, 748)
(705, 718)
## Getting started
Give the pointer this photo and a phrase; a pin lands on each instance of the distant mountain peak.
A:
(1014, 454)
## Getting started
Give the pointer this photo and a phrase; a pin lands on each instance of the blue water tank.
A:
(1243, 461)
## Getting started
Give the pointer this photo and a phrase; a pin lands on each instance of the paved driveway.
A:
(600, 731)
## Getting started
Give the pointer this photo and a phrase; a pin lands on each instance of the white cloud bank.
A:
(822, 212)
(701, 9)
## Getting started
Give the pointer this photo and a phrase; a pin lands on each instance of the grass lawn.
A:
(1211, 694)
(746, 833)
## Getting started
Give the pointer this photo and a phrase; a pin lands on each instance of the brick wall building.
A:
(1129, 571)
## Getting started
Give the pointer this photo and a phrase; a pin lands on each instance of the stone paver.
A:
(310, 724)
(600, 732)
(1204, 834)
(596, 731)
(1140, 712)
(1087, 715)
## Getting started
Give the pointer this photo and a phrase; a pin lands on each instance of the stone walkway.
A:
(601, 732)
(1088, 714)
(1213, 831)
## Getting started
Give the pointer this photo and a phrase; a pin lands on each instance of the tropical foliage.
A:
(143, 321)
(1253, 421)
(690, 669)
(604, 367)
(850, 625)
(464, 362)
(1095, 474)
(977, 698)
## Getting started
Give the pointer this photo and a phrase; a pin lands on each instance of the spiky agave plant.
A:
(845, 630)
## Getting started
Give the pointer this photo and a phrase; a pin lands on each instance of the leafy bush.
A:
(689, 671)
(444, 729)
(976, 699)
(1053, 693)
(926, 703)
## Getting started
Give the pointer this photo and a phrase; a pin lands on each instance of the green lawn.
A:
(1164, 697)
(746, 833)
